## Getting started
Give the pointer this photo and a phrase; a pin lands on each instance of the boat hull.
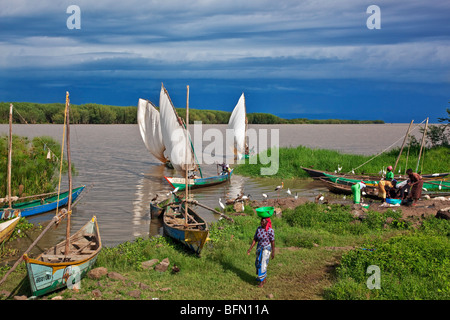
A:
(7, 228)
(180, 183)
(155, 211)
(46, 276)
(193, 238)
(38, 206)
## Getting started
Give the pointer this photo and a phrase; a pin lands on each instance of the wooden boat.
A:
(28, 208)
(428, 184)
(371, 192)
(194, 183)
(67, 262)
(157, 208)
(178, 144)
(53, 269)
(192, 234)
(37, 206)
(156, 211)
(182, 223)
(317, 174)
(7, 228)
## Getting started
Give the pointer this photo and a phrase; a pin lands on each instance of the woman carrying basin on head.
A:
(265, 236)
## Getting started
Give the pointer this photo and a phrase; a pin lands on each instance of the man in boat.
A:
(225, 168)
(416, 184)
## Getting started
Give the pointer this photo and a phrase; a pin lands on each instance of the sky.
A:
(310, 59)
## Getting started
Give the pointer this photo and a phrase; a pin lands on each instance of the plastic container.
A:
(265, 212)
(393, 201)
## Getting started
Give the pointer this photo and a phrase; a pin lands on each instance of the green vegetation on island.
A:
(91, 113)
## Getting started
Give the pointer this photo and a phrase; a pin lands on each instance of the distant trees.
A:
(91, 113)
(440, 135)
(33, 113)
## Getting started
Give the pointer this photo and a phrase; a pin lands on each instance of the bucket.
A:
(393, 201)
(265, 212)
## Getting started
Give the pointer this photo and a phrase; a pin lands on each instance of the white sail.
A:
(150, 129)
(174, 135)
(238, 123)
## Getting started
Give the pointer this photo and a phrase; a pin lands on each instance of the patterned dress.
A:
(263, 250)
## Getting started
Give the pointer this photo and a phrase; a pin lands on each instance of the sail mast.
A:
(421, 145)
(10, 154)
(403, 144)
(187, 146)
(69, 203)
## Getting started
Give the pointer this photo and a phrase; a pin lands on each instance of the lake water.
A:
(125, 176)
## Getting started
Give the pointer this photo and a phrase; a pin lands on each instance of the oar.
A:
(215, 211)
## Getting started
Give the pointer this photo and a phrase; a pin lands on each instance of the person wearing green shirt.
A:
(389, 174)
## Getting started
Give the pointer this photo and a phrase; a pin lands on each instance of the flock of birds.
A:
(242, 197)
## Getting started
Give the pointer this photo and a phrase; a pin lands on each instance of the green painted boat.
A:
(53, 269)
(194, 183)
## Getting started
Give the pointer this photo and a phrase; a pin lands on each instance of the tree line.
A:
(91, 113)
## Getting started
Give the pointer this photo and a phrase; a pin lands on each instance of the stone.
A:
(116, 276)
(238, 206)
(135, 294)
(443, 214)
(163, 265)
(20, 297)
(96, 293)
(149, 264)
(277, 212)
(143, 286)
(57, 298)
(97, 273)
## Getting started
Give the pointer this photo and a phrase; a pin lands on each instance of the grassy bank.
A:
(292, 159)
(31, 171)
(322, 252)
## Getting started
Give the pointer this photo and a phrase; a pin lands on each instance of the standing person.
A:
(389, 174)
(357, 189)
(416, 184)
(383, 187)
(265, 236)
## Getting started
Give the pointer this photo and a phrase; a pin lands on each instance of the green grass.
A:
(292, 159)
(311, 241)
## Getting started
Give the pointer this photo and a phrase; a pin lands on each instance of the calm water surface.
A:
(125, 176)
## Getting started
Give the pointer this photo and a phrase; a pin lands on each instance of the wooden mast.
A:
(403, 144)
(186, 211)
(69, 203)
(421, 145)
(10, 154)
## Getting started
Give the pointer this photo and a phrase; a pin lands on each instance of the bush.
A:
(412, 267)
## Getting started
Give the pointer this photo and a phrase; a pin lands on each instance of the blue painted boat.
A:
(193, 235)
(33, 207)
